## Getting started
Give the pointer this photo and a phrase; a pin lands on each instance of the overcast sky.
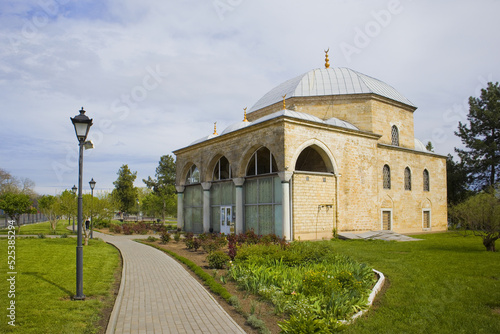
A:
(156, 75)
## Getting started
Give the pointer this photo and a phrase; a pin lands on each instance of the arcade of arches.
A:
(318, 163)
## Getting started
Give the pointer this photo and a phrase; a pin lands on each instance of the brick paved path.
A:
(157, 295)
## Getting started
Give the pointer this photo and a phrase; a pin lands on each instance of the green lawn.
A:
(44, 228)
(46, 281)
(443, 284)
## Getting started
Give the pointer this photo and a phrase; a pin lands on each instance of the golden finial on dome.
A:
(215, 129)
(245, 115)
(284, 103)
(327, 64)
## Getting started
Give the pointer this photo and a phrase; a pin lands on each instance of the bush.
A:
(115, 228)
(41, 236)
(165, 237)
(256, 323)
(151, 239)
(177, 236)
(64, 235)
(127, 229)
(217, 260)
(196, 243)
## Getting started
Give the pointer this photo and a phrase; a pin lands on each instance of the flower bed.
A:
(316, 287)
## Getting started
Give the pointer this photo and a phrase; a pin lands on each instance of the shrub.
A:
(151, 239)
(140, 228)
(217, 260)
(165, 237)
(196, 243)
(115, 228)
(257, 323)
(64, 235)
(177, 237)
(127, 229)
(41, 236)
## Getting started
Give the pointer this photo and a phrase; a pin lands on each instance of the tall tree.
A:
(125, 193)
(163, 186)
(16, 204)
(457, 181)
(482, 138)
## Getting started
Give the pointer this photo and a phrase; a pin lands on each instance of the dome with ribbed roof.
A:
(330, 81)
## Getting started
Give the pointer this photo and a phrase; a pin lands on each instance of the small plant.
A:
(196, 243)
(235, 302)
(64, 235)
(151, 239)
(217, 260)
(177, 236)
(257, 323)
(165, 237)
(41, 236)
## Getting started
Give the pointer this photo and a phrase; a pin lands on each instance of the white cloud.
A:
(60, 55)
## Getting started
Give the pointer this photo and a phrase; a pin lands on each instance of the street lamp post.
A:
(82, 125)
(73, 190)
(92, 186)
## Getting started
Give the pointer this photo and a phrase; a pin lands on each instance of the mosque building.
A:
(332, 150)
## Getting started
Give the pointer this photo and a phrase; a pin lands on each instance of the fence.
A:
(24, 219)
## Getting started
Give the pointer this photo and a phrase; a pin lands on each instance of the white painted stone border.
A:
(378, 286)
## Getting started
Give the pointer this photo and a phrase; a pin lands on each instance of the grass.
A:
(46, 281)
(446, 283)
(39, 228)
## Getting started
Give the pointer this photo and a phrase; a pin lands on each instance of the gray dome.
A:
(419, 146)
(330, 81)
(203, 139)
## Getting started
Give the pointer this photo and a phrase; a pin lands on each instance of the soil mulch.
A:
(250, 304)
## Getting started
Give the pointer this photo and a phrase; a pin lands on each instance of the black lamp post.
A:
(82, 125)
(73, 190)
(92, 186)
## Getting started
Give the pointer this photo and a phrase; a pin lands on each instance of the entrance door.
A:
(226, 220)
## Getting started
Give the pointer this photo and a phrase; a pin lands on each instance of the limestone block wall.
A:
(407, 205)
(353, 155)
(313, 201)
(386, 115)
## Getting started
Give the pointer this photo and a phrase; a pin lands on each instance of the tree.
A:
(51, 208)
(9, 183)
(68, 204)
(125, 193)
(163, 187)
(429, 147)
(457, 181)
(482, 138)
(481, 215)
(16, 204)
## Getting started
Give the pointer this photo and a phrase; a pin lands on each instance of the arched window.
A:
(262, 162)
(222, 170)
(426, 179)
(407, 179)
(387, 177)
(193, 175)
(395, 136)
(311, 161)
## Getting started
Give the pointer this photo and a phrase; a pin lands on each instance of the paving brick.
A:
(157, 295)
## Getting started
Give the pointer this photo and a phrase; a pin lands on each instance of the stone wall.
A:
(313, 206)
